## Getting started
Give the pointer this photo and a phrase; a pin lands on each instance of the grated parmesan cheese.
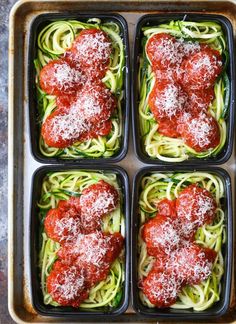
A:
(200, 128)
(191, 263)
(195, 206)
(67, 228)
(83, 112)
(68, 284)
(103, 203)
(93, 48)
(93, 248)
(202, 70)
(65, 77)
(170, 238)
(171, 53)
(162, 288)
(171, 100)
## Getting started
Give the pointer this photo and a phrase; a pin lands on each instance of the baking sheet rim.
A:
(13, 12)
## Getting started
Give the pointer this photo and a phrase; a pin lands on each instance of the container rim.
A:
(63, 311)
(226, 152)
(31, 91)
(227, 277)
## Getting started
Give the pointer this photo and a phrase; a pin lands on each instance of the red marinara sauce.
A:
(81, 214)
(54, 129)
(167, 207)
(200, 132)
(62, 224)
(161, 51)
(96, 201)
(99, 199)
(189, 265)
(96, 102)
(94, 252)
(168, 127)
(60, 77)
(95, 97)
(67, 285)
(195, 207)
(185, 73)
(160, 235)
(83, 116)
(92, 48)
(201, 69)
(161, 287)
(200, 100)
(169, 238)
(193, 263)
(167, 99)
(102, 129)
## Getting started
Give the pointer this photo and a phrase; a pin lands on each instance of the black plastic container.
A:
(220, 307)
(37, 296)
(37, 25)
(154, 20)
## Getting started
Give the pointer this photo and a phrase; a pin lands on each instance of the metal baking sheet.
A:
(21, 163)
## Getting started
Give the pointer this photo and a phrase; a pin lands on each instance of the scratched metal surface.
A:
(21, 162)
(5, 6)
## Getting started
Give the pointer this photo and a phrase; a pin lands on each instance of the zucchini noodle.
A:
(157, 186)
(52, 42)
(60, 186)
(169, 149)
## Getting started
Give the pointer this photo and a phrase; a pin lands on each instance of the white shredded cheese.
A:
(93, 48)
(71, 285)
(171, 100)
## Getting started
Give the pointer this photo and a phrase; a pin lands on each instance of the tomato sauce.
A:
(81, 214)
(195, 206)
(160, 235)
(167, 207)
(67, 285)
(82, 116)
(201, 132)
(161, 288)
(193, 263)
(167, 99)
(93, 252)
(61, 77)
(201, 69)
(62, 224)
(185, 74)
(92, 48)
(200, 100)
(84, 104)
(161, 51)
(86, 253)
(99, 199)
(169, 237)
(101, 129)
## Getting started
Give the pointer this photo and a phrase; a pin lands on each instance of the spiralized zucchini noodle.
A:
(60, 186)
(169, 149)
(157, 186)
(52, 42)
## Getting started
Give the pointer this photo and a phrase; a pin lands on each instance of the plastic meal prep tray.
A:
(154, 20)
(37, 25)
(219, 308)
(22, 165)
(37, 297)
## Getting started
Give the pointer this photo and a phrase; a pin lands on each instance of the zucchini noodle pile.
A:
(162, 147)
(60, 186)
(157, 186)
(52, 42)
